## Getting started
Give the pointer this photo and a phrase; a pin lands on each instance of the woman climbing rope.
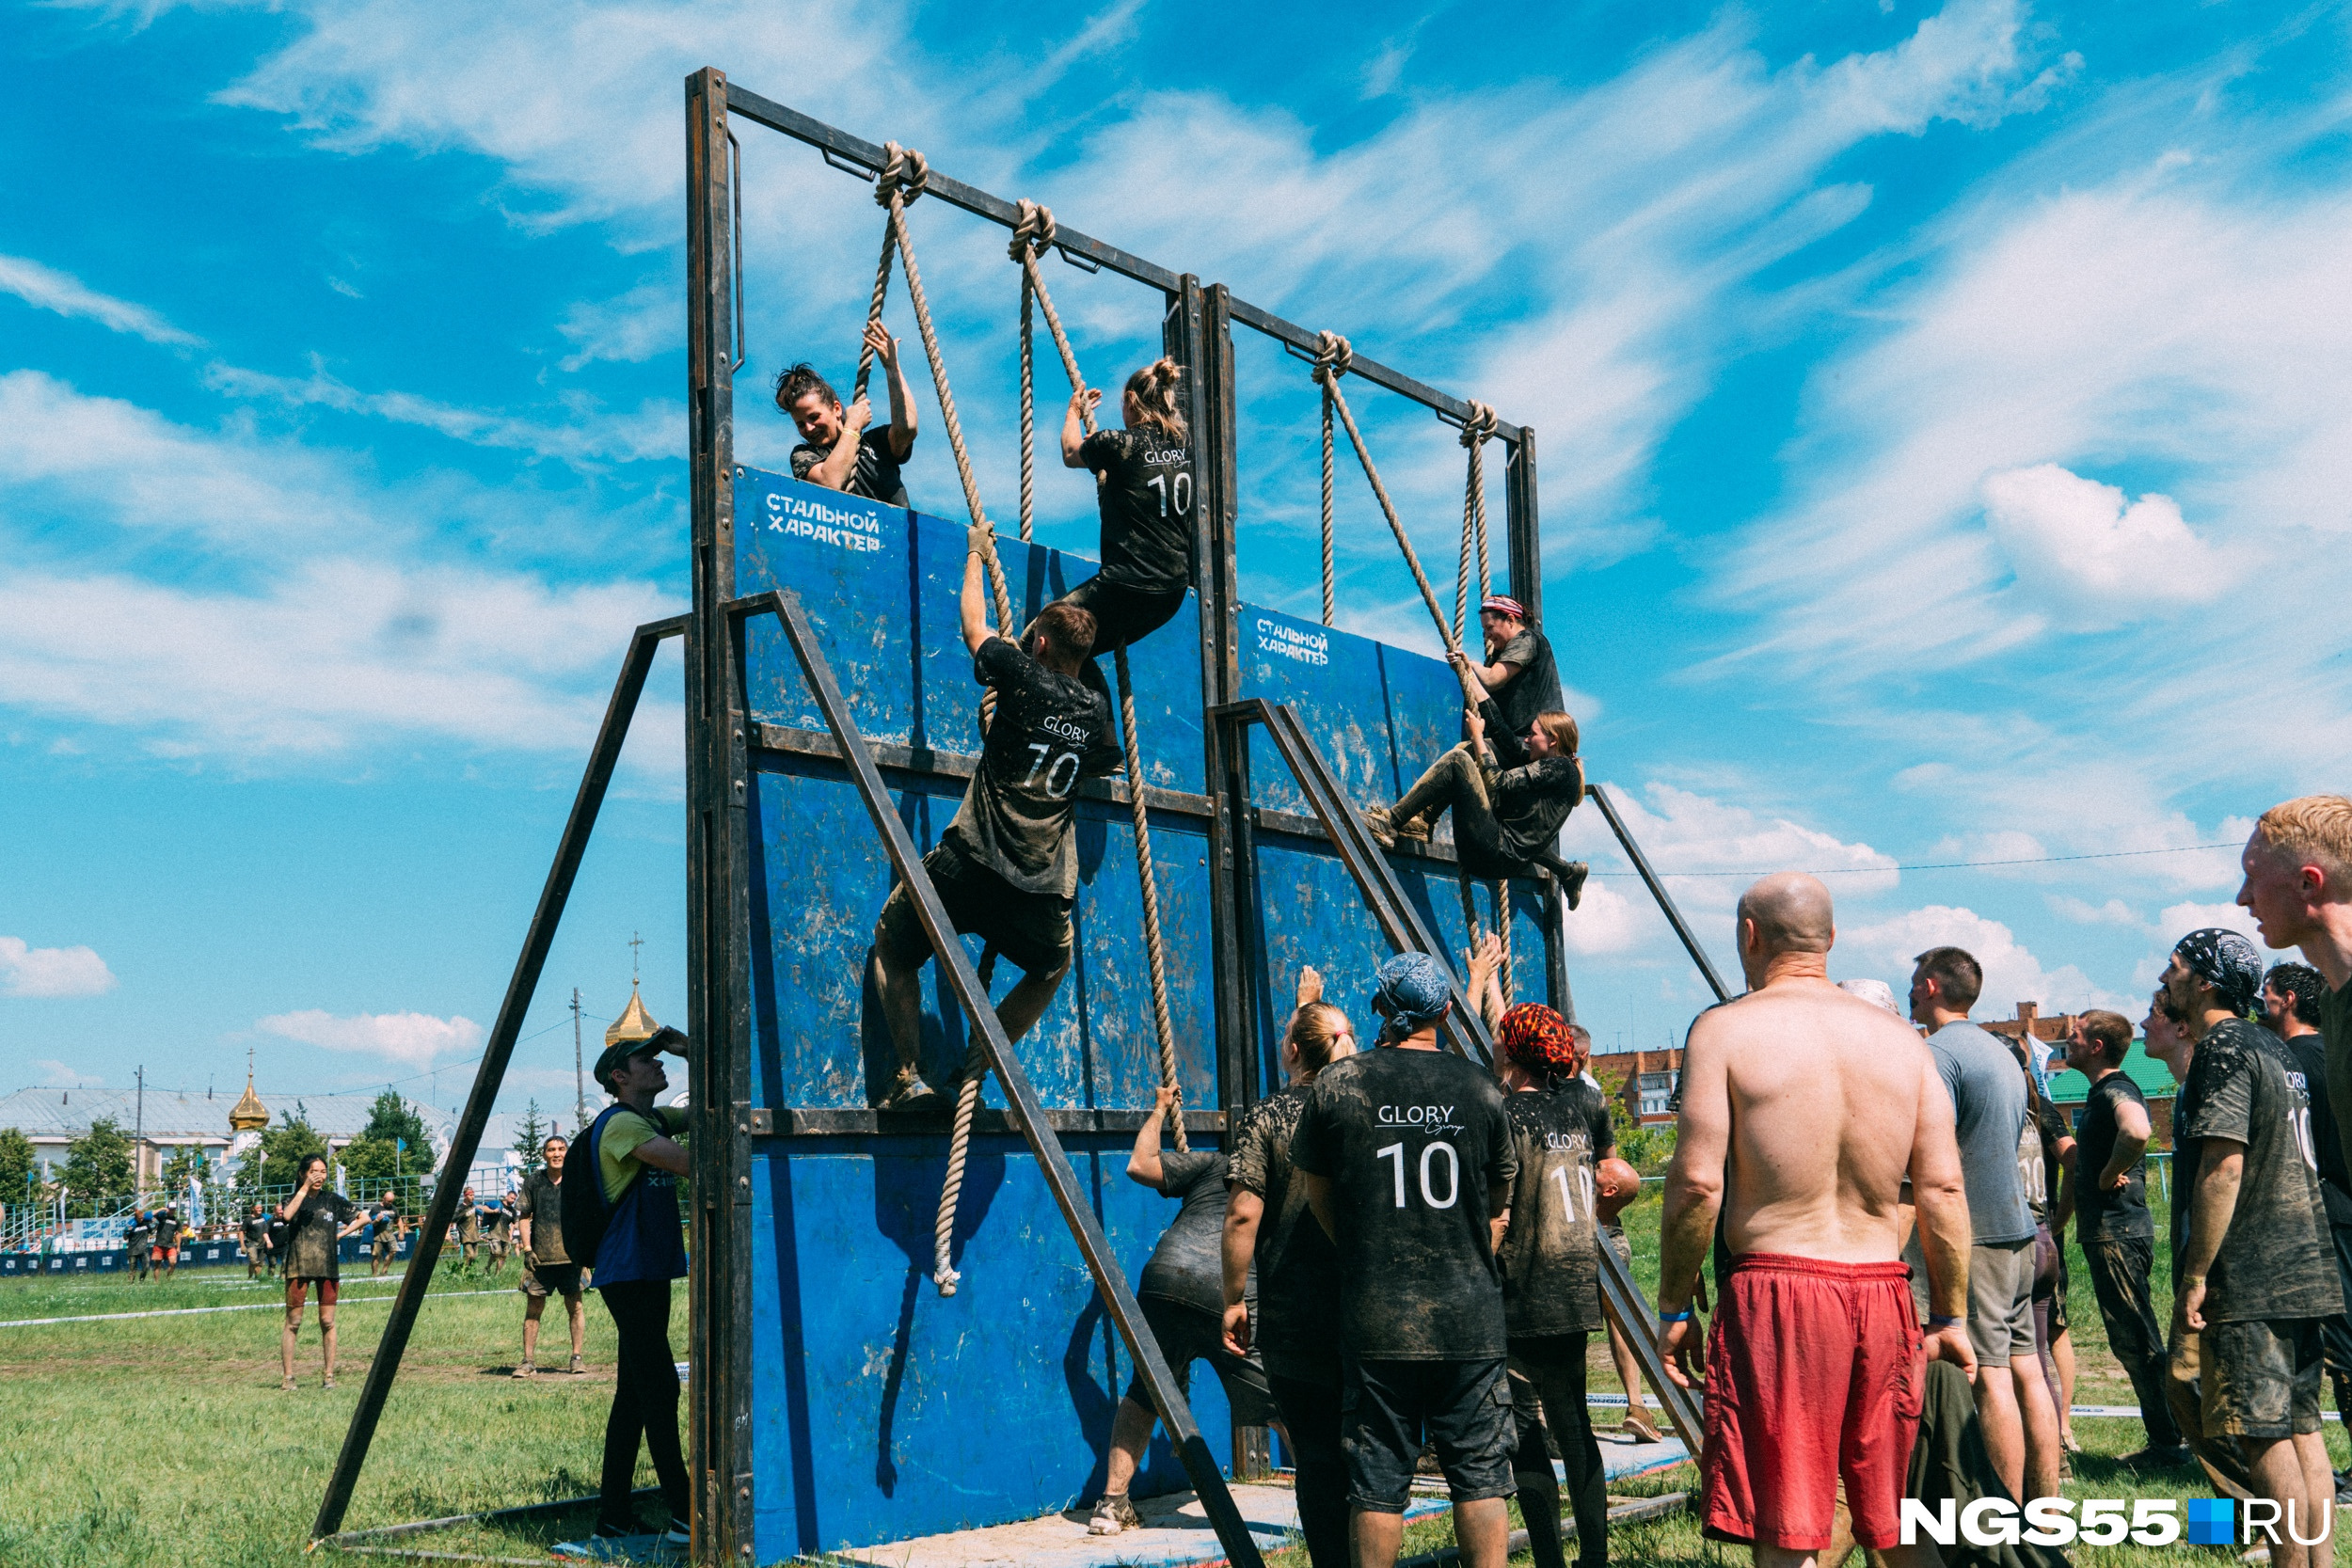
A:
(1143, 480)
(1505, 821)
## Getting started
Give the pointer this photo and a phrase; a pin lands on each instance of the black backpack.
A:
(585, 1212)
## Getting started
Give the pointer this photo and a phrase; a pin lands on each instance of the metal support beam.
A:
(1077, 1210)
(1399, 922)
(864, 158)
(1658, 891)
(1623, 1300)
(521, 986)
(718, 867)
(1523, 529)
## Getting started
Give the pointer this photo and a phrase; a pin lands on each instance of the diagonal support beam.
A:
(467, 1138)
(1110, 1280)
(1626, 1306)
(1399, 920)
(1658, 891)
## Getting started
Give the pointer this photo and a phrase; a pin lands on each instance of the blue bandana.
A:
(2226, 961)
(1413, 993)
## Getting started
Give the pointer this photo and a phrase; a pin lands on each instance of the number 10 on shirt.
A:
(1428, 1154)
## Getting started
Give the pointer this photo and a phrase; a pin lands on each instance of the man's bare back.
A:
(1822, 1095)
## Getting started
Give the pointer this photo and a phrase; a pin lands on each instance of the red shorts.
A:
(1814, 1373)
(297, 1288)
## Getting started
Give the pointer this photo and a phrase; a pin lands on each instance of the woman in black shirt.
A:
(1143, 481)
(1506, 821)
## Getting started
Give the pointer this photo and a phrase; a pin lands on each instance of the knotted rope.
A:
(902, 181)
(1476, 430)
(1332, 356)
(959, 1145)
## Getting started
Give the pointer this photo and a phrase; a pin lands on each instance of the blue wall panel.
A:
(882, 1411)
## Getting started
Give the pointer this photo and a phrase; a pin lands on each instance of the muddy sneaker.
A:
(1386, 829)
(326, 1382)
(1572, 885)
(908, 1092)
(578, 1366)
(527, 1370)
(288, 1386)
(1112, 1514)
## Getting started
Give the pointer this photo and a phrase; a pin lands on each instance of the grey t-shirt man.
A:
(1989, 1109)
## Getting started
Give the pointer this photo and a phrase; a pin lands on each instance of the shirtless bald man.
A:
(1804, 1110)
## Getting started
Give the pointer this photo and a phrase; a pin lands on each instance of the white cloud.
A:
(337, 653)
(51, 289)
(629, 328)
(657, 430)
(2075, 543)
(1886, 949)
(49, 1073)
(2113, 913)
(2177, 920)
(1681, 831)
(27, 971)
(412, 1039)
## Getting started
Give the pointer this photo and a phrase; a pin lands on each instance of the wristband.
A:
(1945, 1322)
(1681, 1317)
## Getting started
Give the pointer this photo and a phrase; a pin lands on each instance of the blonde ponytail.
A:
(1155, 389)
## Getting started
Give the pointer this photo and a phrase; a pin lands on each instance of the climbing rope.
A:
(903, 176)
(1329, 585)
(959, 1145)
(1476, 431)
(1332, 355)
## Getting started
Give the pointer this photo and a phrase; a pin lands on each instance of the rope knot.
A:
(904, 170)
(1032, 232)
(1480, 425)
(1332, 356)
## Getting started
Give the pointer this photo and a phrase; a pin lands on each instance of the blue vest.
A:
(642, 1239)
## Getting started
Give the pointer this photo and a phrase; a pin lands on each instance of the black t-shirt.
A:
(1509, 710)
(1551, 1267)
(2274, 1264)
(1531, 801)
(2309, 1053)
(541, 1202)
(140, 1233)
(1144, 483)
(2109, 1214)
(1048, 732)
(874, 475)
(1413, 1143)
(257, 1229)
(1188, 1264)
(167, 1229)
(1299, 1269)
(312, 1252)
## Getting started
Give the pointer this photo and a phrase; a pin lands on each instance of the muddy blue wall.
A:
(881, 1411)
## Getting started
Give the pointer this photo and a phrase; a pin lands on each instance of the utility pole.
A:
(580, 1074)
(138, 1139)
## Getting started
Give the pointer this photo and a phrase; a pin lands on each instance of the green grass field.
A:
(166, 1441)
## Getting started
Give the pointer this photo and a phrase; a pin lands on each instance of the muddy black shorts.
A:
(1187, 1334)
(1461, 1408)
(549, 1279)
(1030, 929)
(2261, 1379)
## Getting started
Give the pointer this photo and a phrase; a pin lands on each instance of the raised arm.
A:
(1084, 401)
(1143, 1161)
(901, 397)
(973, 606)
(1940, 1205)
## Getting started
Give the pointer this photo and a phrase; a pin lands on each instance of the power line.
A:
(1936, 865)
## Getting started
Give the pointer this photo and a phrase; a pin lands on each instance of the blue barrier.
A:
(880, 1411)
(193, 1255)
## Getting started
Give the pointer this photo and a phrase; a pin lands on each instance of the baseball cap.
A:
(621, 1051)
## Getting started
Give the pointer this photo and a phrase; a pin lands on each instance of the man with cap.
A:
(1519, 679)
(2257, 1275)
(1407, 1157)
(631, 1149)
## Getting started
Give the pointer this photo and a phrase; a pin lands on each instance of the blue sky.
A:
(1943, 411)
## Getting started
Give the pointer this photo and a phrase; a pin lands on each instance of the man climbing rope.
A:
(1143, 484)
(1505, 820)
(1182, 1293)
(837, 448)
(1267, 1225)
(1005, 868)
(1520, 678)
